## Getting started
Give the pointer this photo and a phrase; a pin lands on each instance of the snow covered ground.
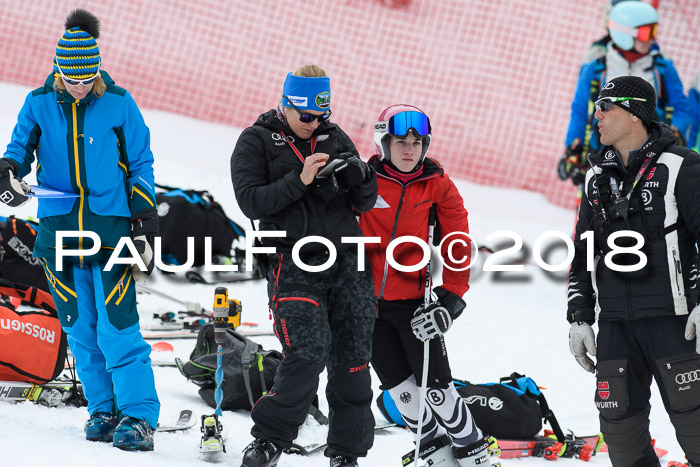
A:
(513, 322)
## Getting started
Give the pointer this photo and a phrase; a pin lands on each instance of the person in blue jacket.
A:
(694, 98)
(599, 47)
(89, 138)
(632, 51)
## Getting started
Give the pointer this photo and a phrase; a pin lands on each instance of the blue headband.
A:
(308, 93)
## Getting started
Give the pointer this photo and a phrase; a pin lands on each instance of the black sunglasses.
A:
(308, 118)
(606, 103)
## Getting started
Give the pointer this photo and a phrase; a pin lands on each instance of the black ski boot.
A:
(343, 461)
(261, 453)
(100, 427)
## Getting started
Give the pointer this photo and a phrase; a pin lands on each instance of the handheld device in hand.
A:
(329, 168)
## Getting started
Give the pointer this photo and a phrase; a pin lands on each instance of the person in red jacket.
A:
(410, 185)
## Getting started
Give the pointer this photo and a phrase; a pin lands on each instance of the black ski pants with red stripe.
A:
(323, 320)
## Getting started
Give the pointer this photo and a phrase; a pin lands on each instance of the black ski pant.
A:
(322, 319)
(398, 354)
(630, 353)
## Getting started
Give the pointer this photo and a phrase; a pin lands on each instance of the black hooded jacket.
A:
(265, 174)
(664, 207)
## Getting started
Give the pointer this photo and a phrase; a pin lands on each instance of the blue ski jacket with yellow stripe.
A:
(97, 147)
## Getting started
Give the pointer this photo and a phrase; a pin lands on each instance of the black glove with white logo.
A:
(340, 174)
(12, 189)
(145, 227)
(352, 171)
(451, 301)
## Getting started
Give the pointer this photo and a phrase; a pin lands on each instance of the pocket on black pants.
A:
(611, 396)
(681, 379)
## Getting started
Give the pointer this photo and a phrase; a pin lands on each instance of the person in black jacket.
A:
(640, 219)
(297, 172)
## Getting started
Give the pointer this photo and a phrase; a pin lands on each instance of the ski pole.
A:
(426, 348)
(190, 306)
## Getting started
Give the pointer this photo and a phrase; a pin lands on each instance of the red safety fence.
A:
(496, 77)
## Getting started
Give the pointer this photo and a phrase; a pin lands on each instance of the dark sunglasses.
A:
(401, 123)
(308, 118)
(606, 103)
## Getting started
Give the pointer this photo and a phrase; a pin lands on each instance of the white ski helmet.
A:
(398, 120)
(632, 20)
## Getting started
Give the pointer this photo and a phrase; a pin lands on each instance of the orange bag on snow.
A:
(32, 343)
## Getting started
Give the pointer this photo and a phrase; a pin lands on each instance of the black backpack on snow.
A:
(249, 370)
(511, 409)
(191, 213)
(17, 238)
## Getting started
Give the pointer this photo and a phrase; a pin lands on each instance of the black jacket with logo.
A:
(265, 174)
(664, 207)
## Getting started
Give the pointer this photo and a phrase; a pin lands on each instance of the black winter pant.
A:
(322, 319)
(629, 354)
(397, 353)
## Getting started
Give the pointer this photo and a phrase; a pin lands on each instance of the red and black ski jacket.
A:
(403, 210)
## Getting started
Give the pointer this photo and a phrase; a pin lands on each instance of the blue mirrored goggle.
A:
(401, 123)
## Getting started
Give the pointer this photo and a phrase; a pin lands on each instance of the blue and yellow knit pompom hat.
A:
(77, 53)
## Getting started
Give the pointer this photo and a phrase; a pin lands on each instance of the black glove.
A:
(451, 301)
(351, 172)
(144, 229)
(571, 164)
(340, 173)
(12, 189)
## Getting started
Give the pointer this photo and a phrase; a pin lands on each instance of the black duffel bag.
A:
(191, 213)
(249, 370)
(511, 409)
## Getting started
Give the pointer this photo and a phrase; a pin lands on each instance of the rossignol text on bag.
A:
(33, 345)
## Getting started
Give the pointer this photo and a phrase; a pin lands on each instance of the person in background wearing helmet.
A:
(598, 48)
(89, 138)
(643, 287)
(295, 171)
(631, 51)
(694, 98)
(410, 186)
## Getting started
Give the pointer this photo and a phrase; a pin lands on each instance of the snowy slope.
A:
(513, 322)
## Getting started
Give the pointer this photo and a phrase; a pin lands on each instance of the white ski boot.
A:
(434, 453)
(476, 454)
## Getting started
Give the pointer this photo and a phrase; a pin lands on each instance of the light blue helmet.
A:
(608, 6)
(625, 18)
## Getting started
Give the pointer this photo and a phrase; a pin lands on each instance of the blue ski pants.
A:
(97, 309)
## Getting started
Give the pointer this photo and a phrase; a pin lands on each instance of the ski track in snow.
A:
(509, 325)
